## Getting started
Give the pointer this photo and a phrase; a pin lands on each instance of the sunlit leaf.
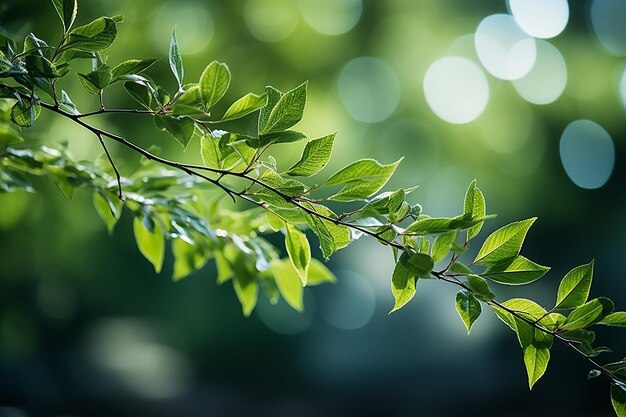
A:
(286, 112)
(515, 271)
(151, 243)
(289, 283)
(245, 105)
(298, 250)
(468, 308)
(314, 157)
(574, 288)
(504, 243)
(403, 284)
(214, 82)
(176, 59)
(588, 314)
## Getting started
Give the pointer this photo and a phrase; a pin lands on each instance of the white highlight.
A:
(540, 18)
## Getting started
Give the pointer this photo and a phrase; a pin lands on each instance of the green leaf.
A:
(224, 271)
(505, 242)
(618, 400)
(40, 67)
(176, 60)
(617, 319)
(189, 103)
(67, 10)
(273, 95)
(180, 127)
(529, 310)
(332, 236)
(480, 288)
(109, 208)
(66, 104)
(515, 271)
(289, 283)
(574, 288)
(247, 291)
(130, 67)
(299, 251)
(141, 92)
(475, 207)
(314, 157)
(245, 105)
(274, 221)
(92, 37)
(419, 264)
(287, 136)
(361, 179)
(187, 258)
(286, 112)
(9, 135)
(536, 359)
(403, 284)
(24, 112)
(442, 245)
(431, 225)
(319, 274)
(96, 81)
(468, 308)
(588, 314)
(151, 243)
(214, 82)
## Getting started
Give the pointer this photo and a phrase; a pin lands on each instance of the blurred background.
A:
(527, 96)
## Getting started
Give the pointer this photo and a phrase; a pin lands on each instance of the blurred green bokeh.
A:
(87, 328)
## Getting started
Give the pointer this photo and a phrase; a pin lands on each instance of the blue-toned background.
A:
(461, 89)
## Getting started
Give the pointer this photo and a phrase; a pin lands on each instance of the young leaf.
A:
(618, 400)
(526, 334)
(24, 112)
(431, 225)
(515, 271)
(187, 258)
(314, 157)
(588, 314)
(176, 60)
(181, 128)
(536, 359)
(299, 251)
(575, 286)
(288, 282)
(332, 236)
(319, 274)
(214, 82)
(403, 284)
(419, 264)
(617, 319)
(92, 37)
(189, 103)
(130, 67)
(247, 290)
(468, 308)
(287, 111)
(505, 242)
(66, 104)
(95, 81)
(109, 209)
(67, 10)
(245, 105)
(361, 179)
(480, 288)
(151, 243)
(442, 245)
(475, 207)
(224, 271)
(273, 95)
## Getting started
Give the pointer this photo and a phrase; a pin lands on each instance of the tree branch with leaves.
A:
(177, 201)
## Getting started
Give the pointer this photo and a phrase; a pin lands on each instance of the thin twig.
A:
(117, 173)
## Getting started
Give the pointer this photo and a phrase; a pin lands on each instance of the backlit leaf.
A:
(151, 243)
(176, 60)
(286, 112)
(288, 283)
(214, 82)
(505, 242)
(402, 286)
(361, 179)
(468, 308)
(588, 314)
(515, 271)
(299, 251)
(575, 286)
(245, 105)
(314, 157)
(474, 206)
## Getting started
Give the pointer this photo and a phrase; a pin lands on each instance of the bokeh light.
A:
(271, 20)
(587, 153)
(283, 319)
(504, 49)
(331, 17)
(369, 89)
(607, 20)
(540, 18)
(547, 79)
(622, 88)
(456, 89)
(350, 304)
(194, 27)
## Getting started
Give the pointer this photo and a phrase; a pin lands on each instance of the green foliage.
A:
(176, 205)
